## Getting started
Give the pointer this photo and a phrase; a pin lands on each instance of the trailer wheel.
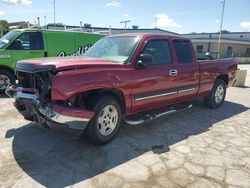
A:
(216, 98)
(106, 122)
(6, 78)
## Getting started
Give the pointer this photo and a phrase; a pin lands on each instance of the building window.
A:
(230, 51)
(248, 52)
(199, 48)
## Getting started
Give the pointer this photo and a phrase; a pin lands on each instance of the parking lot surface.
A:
(198, 147)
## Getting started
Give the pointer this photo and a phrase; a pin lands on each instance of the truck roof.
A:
(146, 35)
(143, 35)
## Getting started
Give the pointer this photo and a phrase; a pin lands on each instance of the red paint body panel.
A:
(77, 75)
(66, 63)
(209, 70)
(73, 112)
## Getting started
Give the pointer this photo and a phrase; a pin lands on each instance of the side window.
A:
(183, 51)
(28, 41)
(159, 49)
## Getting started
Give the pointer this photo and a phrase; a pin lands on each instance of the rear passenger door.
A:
(187, 69)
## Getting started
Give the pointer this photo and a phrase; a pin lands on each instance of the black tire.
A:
(10, 76)
(210, 100)
(92, 133)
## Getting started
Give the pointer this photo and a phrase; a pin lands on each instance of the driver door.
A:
(153, 84)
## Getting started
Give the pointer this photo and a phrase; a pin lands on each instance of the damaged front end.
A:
(32, 97)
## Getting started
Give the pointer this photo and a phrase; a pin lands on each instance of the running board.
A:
(146, 117)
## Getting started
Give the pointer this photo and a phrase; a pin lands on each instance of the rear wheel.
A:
(106, 123)
(6, 78)
(216, 98)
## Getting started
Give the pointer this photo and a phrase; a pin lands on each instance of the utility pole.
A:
(80, 25)
(38, 22)
(54, 3)
(125, 23)
(221, 23)
(156, 19)
(45, 22)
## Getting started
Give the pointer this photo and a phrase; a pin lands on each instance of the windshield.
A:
(7, 38)
(117, 49)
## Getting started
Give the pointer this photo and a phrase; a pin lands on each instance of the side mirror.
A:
(209, 56)
(145, 59)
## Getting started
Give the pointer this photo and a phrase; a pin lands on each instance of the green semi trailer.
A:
(35, 43)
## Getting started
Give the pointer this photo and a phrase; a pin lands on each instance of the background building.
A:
(233, 44)
(106, 30)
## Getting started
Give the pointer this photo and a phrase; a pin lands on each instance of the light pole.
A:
(221, 23)
(45, 22)
(38, 22)
(54, 3)
(156, 19)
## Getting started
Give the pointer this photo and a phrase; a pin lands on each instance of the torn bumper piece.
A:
(75, 118)
(47, 115)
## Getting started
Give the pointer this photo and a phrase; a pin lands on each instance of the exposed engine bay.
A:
(32, 96)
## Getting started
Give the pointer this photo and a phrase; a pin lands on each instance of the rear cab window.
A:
(183, 51)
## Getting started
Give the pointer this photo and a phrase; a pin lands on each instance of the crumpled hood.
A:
(61, 63)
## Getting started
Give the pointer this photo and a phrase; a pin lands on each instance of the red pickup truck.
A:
(130, 77)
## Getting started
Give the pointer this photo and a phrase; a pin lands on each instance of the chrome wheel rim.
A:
(219, 94)
(4, 81)
(107, 120)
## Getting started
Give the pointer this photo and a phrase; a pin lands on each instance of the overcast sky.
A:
(181, 16)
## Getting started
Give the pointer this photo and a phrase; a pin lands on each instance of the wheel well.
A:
(87, 99)
(223, 77)
(2, 67)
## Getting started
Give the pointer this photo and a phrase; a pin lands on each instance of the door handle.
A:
(173, 72)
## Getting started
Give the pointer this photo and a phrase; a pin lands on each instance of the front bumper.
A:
(29, 106)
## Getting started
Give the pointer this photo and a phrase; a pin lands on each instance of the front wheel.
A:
(106, 122)
(6, 78)
(216, 98)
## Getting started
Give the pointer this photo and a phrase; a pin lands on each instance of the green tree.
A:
(224, 31)
(55, 24)
(4, 28)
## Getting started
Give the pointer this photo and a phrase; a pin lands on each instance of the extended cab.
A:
(33, 43)
(131, 77)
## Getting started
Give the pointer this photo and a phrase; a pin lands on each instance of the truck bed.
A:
(210, 69)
